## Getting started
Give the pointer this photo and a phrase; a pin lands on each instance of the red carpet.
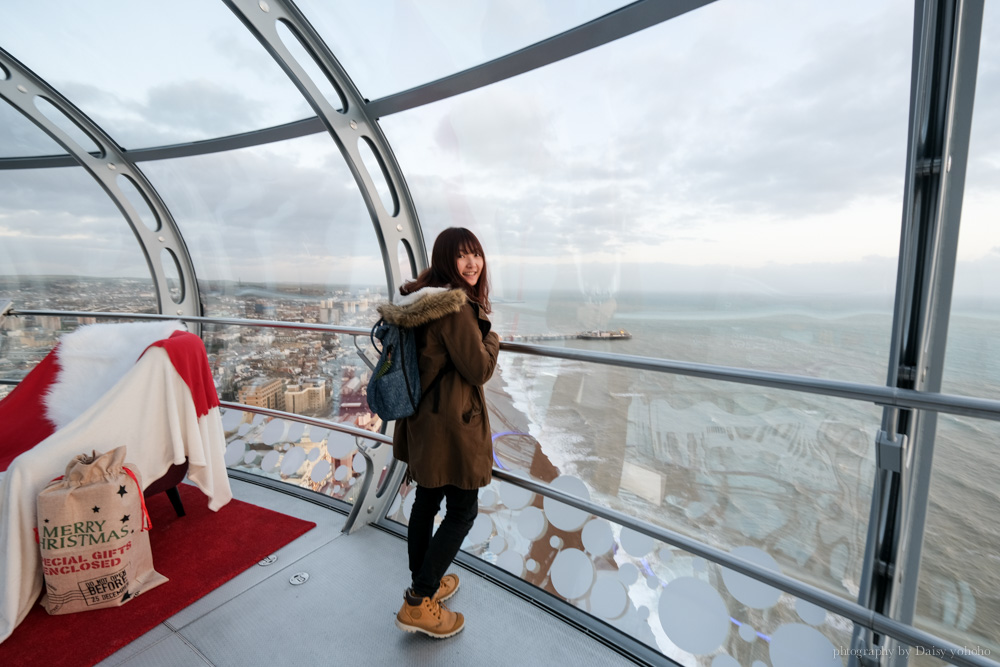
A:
(198, 553)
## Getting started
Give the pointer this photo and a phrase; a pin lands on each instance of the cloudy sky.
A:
(740, 147)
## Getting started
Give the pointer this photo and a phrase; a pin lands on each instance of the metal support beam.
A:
(614, 25)
(348, 123)
(159, 239)
(945, 61)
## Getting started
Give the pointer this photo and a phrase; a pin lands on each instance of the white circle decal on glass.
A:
(487, 497)
(498, 544)
(295, 430)
(271, 460)
(396, 503)
(341, 473)
(563, 516)
(810, 613)
(320, 471)
(652, 582)
(608, 598)
(752, 593)
(272, 432)
(572, 573)
(293, 461)
(511, 561)
(481, 531)
(340, 445)
(635, 543)
(597, 537)
(532, 565)
(628, 573)
(250, 457)
(693, 615)
(515, 497)
(231, 419)
(794, 645)
(314, 454)
(723, 660)
(234, 452)
(242, 430)
(747, 633)
(359, 464)
(531, 523)
(555, 542)
(665, 554)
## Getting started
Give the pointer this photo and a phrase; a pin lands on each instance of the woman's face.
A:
(470, 266)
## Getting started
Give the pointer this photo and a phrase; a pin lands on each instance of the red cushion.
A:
(23, 421)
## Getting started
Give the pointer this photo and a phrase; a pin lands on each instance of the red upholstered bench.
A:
(26, 420)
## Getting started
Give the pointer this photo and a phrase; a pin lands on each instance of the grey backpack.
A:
(394, 387)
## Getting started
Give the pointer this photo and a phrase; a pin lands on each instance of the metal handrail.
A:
(863, 616)
(312, 421)
(880, 395)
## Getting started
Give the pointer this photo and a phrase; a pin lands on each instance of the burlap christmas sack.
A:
(92, 531)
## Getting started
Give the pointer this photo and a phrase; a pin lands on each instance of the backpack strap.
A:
(371, 335)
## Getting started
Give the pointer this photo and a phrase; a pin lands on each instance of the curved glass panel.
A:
(310, 457)
(19, 137)
(959, 591)
(390, 45)
(280, 232)
(63, 246)
(691, 610)
(713, 203)
(958, 596)
(154, 73)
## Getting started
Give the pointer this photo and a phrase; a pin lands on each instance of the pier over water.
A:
(617, 334)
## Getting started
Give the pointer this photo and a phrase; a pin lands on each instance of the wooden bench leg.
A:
(175, 499)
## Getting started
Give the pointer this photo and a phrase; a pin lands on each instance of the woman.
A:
(447, 442)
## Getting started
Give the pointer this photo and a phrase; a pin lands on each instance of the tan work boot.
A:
(449, 584)
(429, 617)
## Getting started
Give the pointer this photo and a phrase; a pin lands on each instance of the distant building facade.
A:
(264, 393)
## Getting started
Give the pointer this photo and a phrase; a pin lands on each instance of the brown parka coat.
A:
(448, 439)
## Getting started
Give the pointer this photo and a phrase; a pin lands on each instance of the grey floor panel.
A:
(157, 634)
(328, 527)
(172, 651)
(344, 614)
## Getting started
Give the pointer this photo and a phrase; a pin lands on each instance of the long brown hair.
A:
(443, 271)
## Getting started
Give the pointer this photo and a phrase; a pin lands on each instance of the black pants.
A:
(430, 555)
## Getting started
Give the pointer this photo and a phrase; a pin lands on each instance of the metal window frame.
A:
(946, 42)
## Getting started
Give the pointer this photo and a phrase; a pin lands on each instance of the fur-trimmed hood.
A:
(423, 306)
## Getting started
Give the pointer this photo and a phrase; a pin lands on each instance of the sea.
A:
(784, 477)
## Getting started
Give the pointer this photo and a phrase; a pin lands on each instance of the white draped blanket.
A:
(151, 411)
